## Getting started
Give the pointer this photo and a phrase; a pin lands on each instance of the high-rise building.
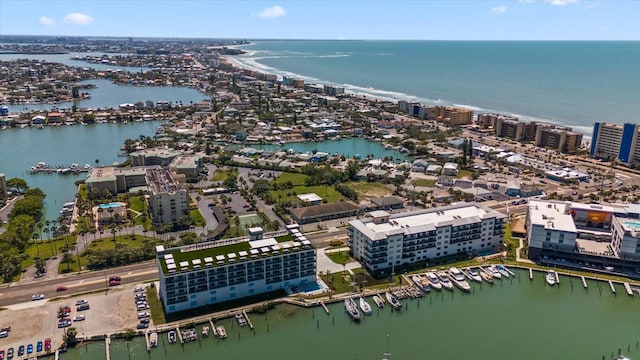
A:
(213, 272)
(510, 127)
(557, 138)
(616, 142)
(168, 201)
(383, 241)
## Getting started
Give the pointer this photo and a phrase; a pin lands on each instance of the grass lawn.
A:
(155, 306)
(198, 220)
(339, 257)
(338, 282)
(45, 248)
(220, 175)
(137, 203)
(369, 189)
(464, 174)
(325, 192)
(424, 182)
(295, 178)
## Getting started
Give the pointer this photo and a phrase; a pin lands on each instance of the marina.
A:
(42, 167)
(439, 308)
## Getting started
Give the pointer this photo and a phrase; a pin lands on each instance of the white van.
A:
(142, 307)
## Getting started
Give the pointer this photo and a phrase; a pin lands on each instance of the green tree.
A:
(17, 185)
(67, 258)
(69, 337)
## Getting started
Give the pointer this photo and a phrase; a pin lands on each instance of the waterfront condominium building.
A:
(385, 240)
(117, 180)
(598, 234)
(168, 201)
(213, 272)
(616, 142)
(3, 190)
(557, 138)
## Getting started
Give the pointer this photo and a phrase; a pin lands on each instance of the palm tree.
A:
(97, 161)
(113, 232)
(67, 258)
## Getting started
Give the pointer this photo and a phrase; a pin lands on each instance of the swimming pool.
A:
(632, 224)
(109, 205)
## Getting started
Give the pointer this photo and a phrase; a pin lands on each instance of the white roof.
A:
(551, 215)
(310, 197)
(262, 243)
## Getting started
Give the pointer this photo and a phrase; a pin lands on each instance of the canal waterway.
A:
(513, 319)
(20, 149)
(350, 147)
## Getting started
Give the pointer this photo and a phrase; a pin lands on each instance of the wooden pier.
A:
(213, 328)
(612, 287)
(146, 339)
(509, 271)
(530, 274)
(107, 342)
(56, 356)
(557, 277)
(584, 281)
(628, 289)
(326, 309)
(244, 313)
(179, 335)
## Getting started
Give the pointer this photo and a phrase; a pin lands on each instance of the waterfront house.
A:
(38, 120)
(55, 118)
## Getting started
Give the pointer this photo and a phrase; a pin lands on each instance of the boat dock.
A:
(530, 274)
(509, 271)
(584, 281)
(613, 288)
(56, 356)
(244, 313)
(326, 309)
(107, 343)
(146, 339)
(628, 289)
(557, 277)
(179, 335)
(213, 328)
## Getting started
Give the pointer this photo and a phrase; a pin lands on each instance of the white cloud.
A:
(526, 1)
(499, 9)
(272, 12)
(560, 2)
(78, 19)
(46, 21)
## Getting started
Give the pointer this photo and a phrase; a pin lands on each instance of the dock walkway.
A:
(107, 343)
(244, 313)
(628, 289)
(530, 274)
(584, 281)
(146, 339)
(612, 287)
(179, 335)
(326, 309)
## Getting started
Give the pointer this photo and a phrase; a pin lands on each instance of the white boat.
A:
(172, 336)
(551, 277)
(503, 271)
(352, 309)
(393, 300)
(444, 280)
(378, 300)
(434, 283)
(493, 271)
(421, 283)
(221, 332)
(364, 306)
(205, 331)
(153, 339)
(458, 279)
(474, 275)
(486, 276)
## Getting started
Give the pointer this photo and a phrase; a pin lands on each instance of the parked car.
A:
(47, 344)
(62, 288)
(83, 307)
(29, 348)
(39, 346)
(37, 297)
(10, 353)
(21, 350)
(81, 302)
(138, 289)
(79, 318)
(144, 314)
(1, 354)
(142, 326)
(4, 334)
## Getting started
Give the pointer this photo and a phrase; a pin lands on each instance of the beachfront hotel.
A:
(616, 142)
(213, 272)
(383, 241)
(598, 234)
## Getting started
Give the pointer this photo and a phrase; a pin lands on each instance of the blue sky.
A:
(403, 20)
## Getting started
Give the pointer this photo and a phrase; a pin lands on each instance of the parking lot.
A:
(37, 320)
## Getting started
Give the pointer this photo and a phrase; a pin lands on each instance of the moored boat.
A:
(458, 279)
(434, 282)
(205, 331)
(503, 271)
(491, 269)
(352, 309)
(551, 277)
(474, 275)
(153, 339)
(393, 300)
(172, 336)
(221, 332)
(364, 306)
(241, 320)
(444, 280)
(378, 300)
(486, 276)
(421, 283)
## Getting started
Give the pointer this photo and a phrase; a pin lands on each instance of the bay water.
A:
(573, 83)
(513, 319)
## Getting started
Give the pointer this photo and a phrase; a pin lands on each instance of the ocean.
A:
(571, 83)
